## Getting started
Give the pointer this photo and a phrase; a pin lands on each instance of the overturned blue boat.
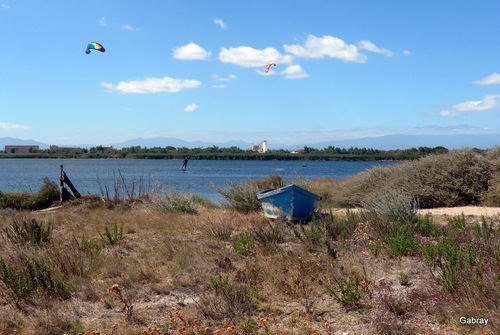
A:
(292, 201)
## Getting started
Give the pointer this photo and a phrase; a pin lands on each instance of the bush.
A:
(35, 278)
(31, 232)
(348, 293)
(241, 196)
(393, 205)
(456, 178)
(226, 299)
(44, 198)
(175, 202)
(46, 195)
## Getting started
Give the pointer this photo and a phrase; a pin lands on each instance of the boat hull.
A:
(294, 202)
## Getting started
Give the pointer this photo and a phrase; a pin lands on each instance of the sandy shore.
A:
(465, 210)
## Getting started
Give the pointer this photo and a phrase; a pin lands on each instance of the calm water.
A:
(89, 176)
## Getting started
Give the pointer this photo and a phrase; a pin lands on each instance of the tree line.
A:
(330, 153)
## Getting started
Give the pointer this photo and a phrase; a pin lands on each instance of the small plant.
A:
(32, 232)
(457, 224)
(426, 227)
(219, 229)
(402, 241)
(247, 325)
(226, 299)
(268, 235)
(404, 279)
(348, 293)
(112, 239)
(483, 230)
(118, 293)
(243, 243)
(450, 261)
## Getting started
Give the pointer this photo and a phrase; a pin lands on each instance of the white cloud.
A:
(492, 79)
(4, 125)
(191, 51)
(406, 52)
(367, 45)
(191, 108)
(128, 27)
(249, 57)
(5, 6)
(294, 72)
(220, 23)
(152, 85)
(326, 46)
(229, 78)
(218, 86)
(490, 102)
(102, 21)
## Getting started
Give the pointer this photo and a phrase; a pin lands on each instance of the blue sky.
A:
(195, 70)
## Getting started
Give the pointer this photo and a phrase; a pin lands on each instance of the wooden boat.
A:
(292, 201)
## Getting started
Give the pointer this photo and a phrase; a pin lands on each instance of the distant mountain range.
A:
(16, 141)
(392, 142)
(388, 142)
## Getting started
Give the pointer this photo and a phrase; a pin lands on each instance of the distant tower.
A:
(264, 146)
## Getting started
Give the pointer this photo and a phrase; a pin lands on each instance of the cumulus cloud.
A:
(220, 23)
(4, 125)
(488, 103)
(191, 108)
(326, 46)
(406, 52)
(218, 86)
(249, 57)
(492, 79)
(152, 85)
(191, 51)
(367, 45)
(294, 72)
(102, 21)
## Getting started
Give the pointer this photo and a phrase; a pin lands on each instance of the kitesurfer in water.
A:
(184, 163)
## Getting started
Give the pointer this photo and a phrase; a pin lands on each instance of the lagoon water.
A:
(93, 176)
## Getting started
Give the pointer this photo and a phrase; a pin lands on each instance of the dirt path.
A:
(466, 210)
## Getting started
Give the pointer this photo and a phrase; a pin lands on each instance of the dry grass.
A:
(179, 273)
(134, 269)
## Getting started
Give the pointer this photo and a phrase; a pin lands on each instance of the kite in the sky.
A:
(94, 46)
(268, 66)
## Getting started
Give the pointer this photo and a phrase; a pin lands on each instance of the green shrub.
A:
(348, 293)
(34, 278)
(402, 241)
(112, 238)
(241, 196)
(243, 243)
(31, 232)
(175, 202)
(46, 195)
(426, 227)
(450, 263)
